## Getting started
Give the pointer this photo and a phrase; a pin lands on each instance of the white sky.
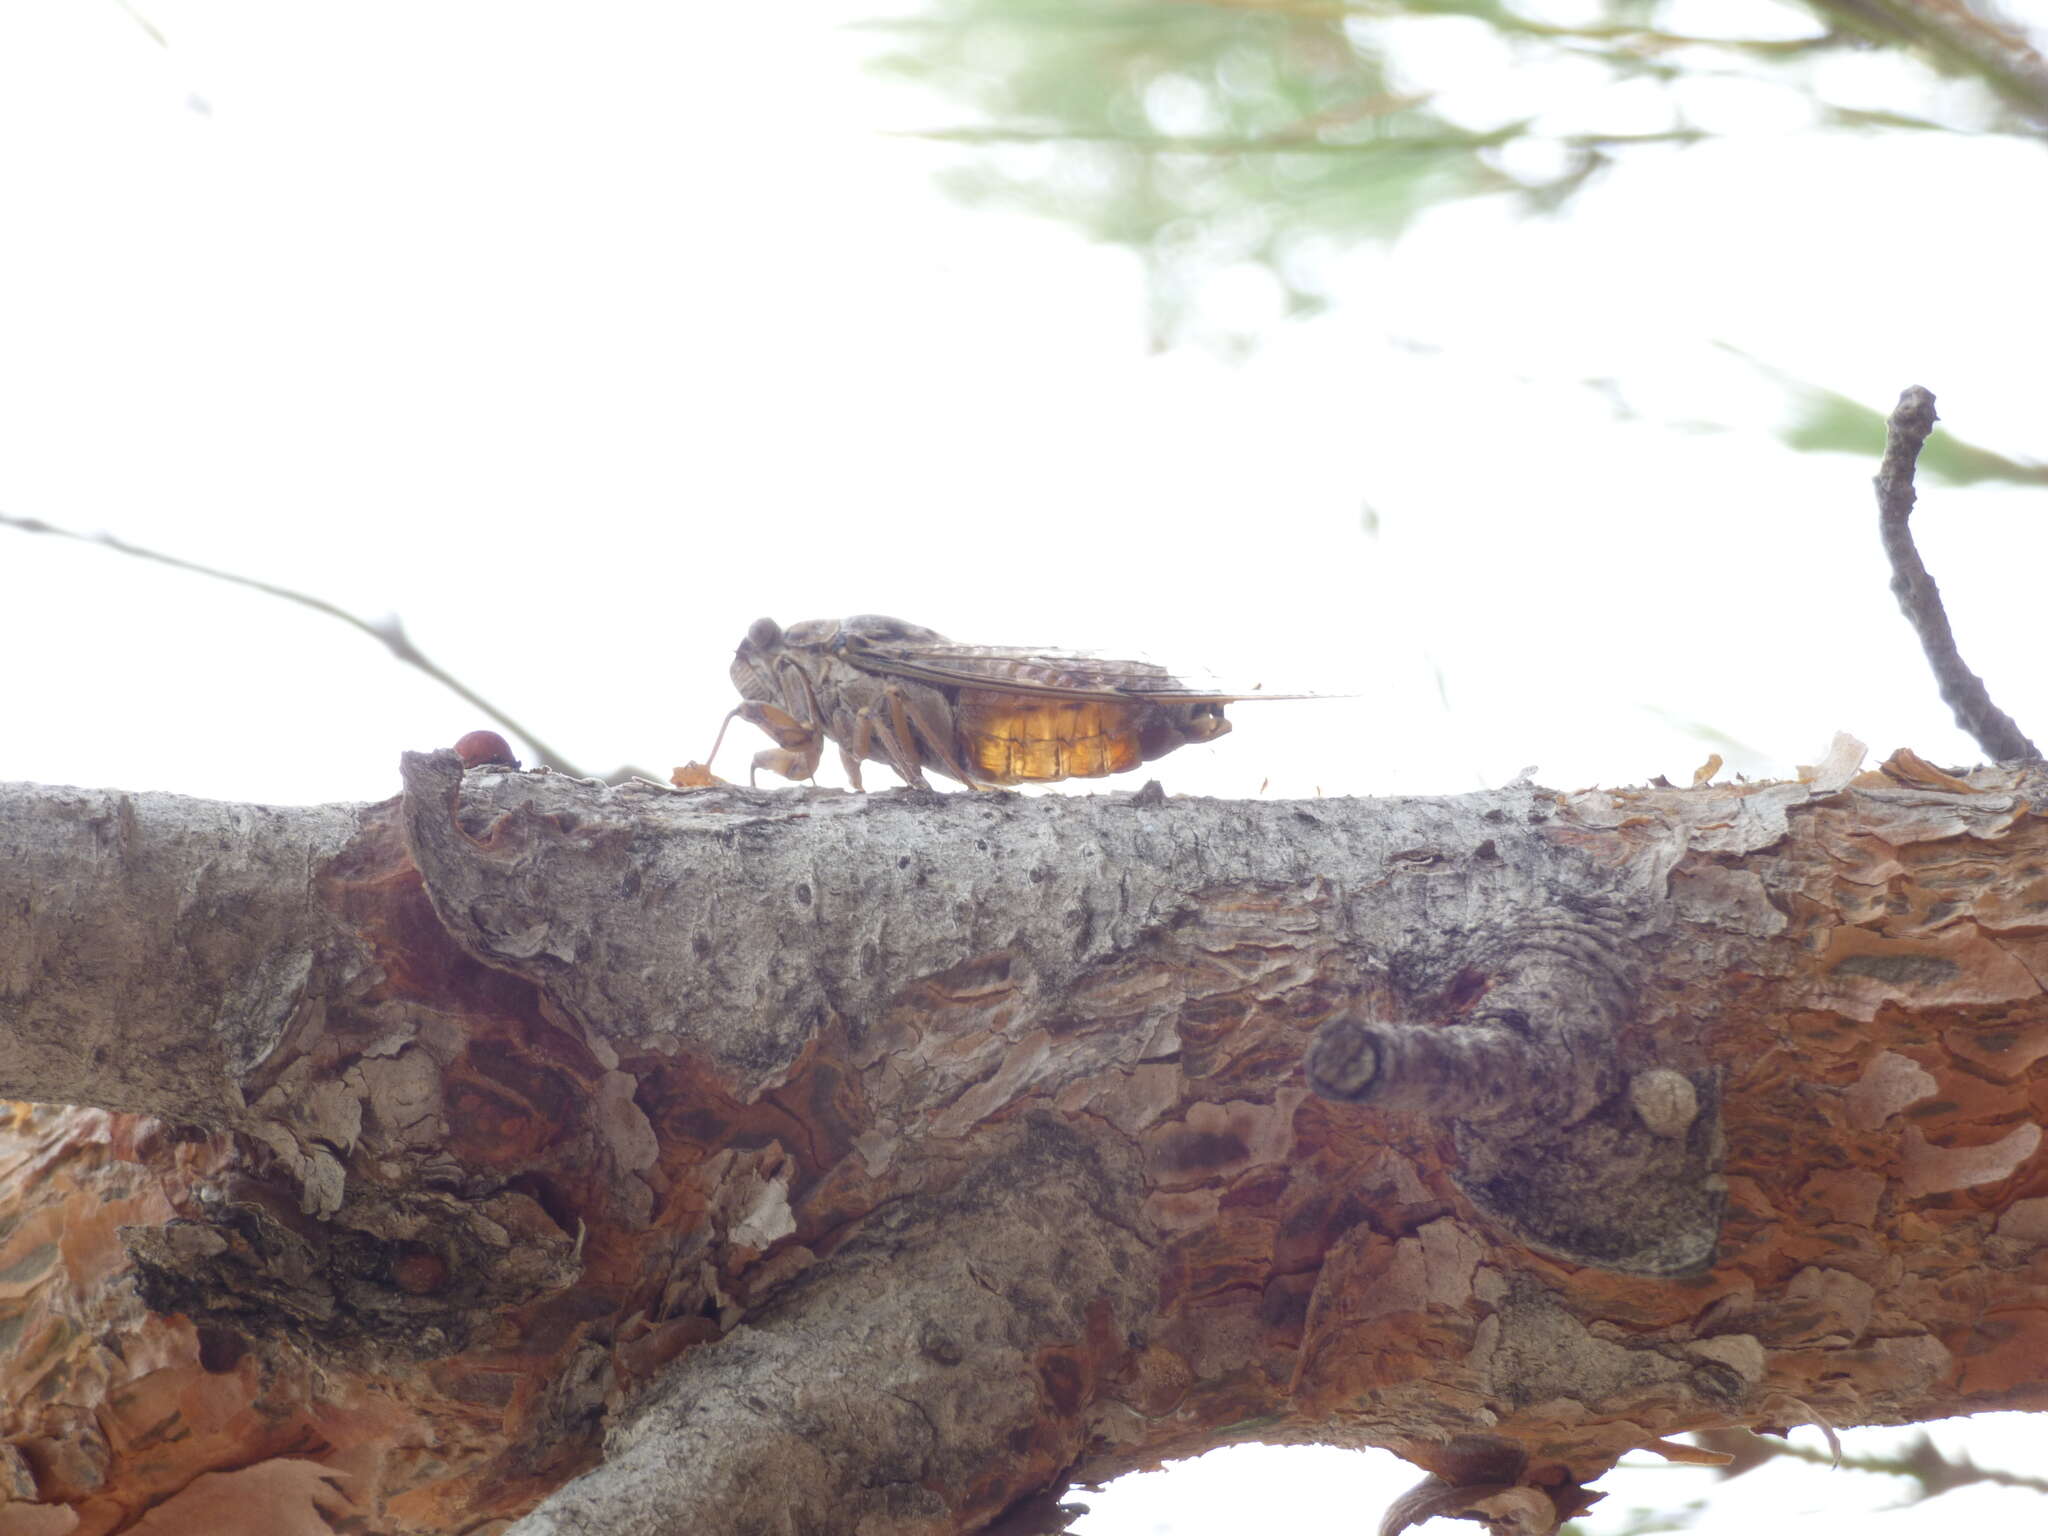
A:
(580, 337)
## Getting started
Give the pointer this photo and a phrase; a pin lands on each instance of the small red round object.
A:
(420, 1272)
(485, 748)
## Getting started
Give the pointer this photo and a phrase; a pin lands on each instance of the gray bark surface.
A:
(156, 946)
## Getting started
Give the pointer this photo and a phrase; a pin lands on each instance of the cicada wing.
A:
(1066, 674)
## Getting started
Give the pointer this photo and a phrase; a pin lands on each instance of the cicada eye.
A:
(764, 634)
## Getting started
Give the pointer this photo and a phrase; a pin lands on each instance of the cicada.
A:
(987, 715)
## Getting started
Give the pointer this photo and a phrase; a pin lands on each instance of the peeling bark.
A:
(529, 1151)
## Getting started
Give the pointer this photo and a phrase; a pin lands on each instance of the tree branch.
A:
(1919, 598)
(997, 1293)
(892, 1161)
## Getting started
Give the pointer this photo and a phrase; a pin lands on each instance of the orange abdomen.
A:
(1012, 738)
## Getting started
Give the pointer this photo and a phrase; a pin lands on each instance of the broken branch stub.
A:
(1579, 1152)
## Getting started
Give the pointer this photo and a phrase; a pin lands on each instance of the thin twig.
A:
(1919, 1458)
(1920, 600)
(1280, 143)
(390, 633)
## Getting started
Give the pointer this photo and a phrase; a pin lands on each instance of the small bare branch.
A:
(389, 633)
(1920, 600)
(1919, 1459)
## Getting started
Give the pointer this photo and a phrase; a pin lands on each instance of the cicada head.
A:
(753, 668)
(1181, 725)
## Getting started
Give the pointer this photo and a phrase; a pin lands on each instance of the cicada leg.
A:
(791, 763)
(852, 766)
(871, 731)
(909, 736)
(797, 749)
(915, 720)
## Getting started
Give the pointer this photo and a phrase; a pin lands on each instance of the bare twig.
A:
(1919, 1459)
(1957, 39)
(1287, 142)
(390, 633)
(1920, 600)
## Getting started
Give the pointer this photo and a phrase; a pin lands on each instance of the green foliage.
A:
(1270, 135)
(1200, 135)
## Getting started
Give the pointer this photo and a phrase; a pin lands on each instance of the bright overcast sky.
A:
(579, 337)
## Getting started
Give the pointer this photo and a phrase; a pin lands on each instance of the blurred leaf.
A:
(1870, 117)
(1713, 736)
(1832, 423)
(1822, 421)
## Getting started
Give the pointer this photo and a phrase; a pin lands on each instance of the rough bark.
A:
(800, 1162)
